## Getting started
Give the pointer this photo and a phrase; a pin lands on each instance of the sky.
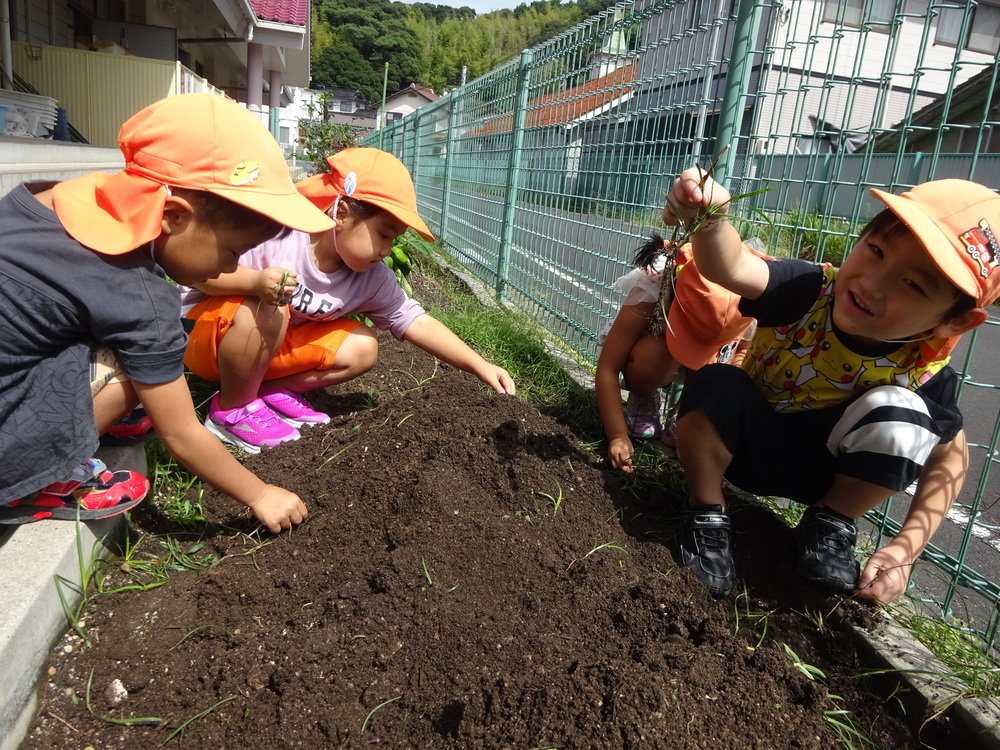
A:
(480, 6)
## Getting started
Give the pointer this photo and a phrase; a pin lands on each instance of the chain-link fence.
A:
(544, 176)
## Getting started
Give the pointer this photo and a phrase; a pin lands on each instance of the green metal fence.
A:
(544, 176)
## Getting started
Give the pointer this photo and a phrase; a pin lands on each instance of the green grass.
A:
(804, 234)
(961, 654)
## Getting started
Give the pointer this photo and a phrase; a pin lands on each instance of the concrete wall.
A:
(30, 159)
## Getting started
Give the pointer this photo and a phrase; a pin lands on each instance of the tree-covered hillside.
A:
(425, 43)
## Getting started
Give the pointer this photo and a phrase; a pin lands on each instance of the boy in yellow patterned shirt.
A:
(846, 396)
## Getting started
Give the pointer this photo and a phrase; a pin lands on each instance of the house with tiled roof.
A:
(104, 61)
(562, 129)
(403, 102)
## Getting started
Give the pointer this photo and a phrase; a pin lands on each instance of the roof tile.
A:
(295, 12)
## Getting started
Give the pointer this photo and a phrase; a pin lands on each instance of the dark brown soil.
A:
(435, 598)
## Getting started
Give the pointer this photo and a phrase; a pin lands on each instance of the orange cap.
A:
(955, 221)
(369, 175)
(195, 141)
(703, 318)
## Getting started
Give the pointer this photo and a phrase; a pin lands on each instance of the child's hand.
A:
(620, 454)
(276, 285)
(688, 199)
(497, 378)
(278, 509)
(886, 575)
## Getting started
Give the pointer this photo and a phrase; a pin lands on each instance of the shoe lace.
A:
(836, 540)
(264, 417)
(716, 538)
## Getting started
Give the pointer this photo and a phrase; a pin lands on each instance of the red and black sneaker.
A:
(134, 427)
(106, 495)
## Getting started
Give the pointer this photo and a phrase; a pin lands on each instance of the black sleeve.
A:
(940, 393)
(792, 288)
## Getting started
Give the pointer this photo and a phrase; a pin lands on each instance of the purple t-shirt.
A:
(328, 296)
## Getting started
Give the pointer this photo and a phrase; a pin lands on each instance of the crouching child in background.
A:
(672, 318)
(845, 397)
(276, 327)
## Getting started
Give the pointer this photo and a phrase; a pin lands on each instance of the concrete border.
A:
(32, 618)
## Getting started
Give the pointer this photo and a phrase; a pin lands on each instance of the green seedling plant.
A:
(197, 716)
(335, 455)
(838, 719)
(556, 500)
(598, 548)
(90, 574)
(681, 235)
(371, 713)
(757, 618)
(195, 630)
(419, 382)
(427, 573)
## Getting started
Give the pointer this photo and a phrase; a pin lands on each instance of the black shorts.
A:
(788, 455)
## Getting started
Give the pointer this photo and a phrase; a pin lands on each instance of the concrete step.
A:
(32, 618)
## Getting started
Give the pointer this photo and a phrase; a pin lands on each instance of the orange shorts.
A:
(309, 346)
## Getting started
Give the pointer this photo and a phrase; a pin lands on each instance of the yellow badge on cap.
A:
(244, 172)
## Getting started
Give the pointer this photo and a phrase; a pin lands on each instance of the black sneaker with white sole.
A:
(826, 550)
(706, 548)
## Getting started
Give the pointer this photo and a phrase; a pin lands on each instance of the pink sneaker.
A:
(642, 415)
(249, 427)
(292, 407)
(669, 434)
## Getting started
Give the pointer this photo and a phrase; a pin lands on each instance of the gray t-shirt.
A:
(58, 300)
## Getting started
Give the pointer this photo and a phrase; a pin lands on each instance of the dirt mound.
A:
(437, 597)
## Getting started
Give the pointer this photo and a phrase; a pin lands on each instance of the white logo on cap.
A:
(350, 183)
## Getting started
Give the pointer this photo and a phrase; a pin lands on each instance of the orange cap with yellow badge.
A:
(195, 141)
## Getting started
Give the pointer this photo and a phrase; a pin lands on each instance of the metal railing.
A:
(543, 176)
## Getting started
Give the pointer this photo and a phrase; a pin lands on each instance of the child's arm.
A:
(269, 284)
(437, 339)
(716, 245)
(172, 412)
(888, 570)
(627, 328)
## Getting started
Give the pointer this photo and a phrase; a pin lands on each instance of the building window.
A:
(982, 24)
(875, 13)
(393, 116)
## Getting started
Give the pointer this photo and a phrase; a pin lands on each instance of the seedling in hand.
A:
(681, 235)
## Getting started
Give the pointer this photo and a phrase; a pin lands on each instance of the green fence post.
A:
(415, 158)
(737, 82)
(449, 160)
(274, 122)
(513, 171)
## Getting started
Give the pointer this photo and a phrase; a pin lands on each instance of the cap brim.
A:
(318, 191)
(410, 218)
(691, 352)
(110, 214)
(288, 209)
(930, 236)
